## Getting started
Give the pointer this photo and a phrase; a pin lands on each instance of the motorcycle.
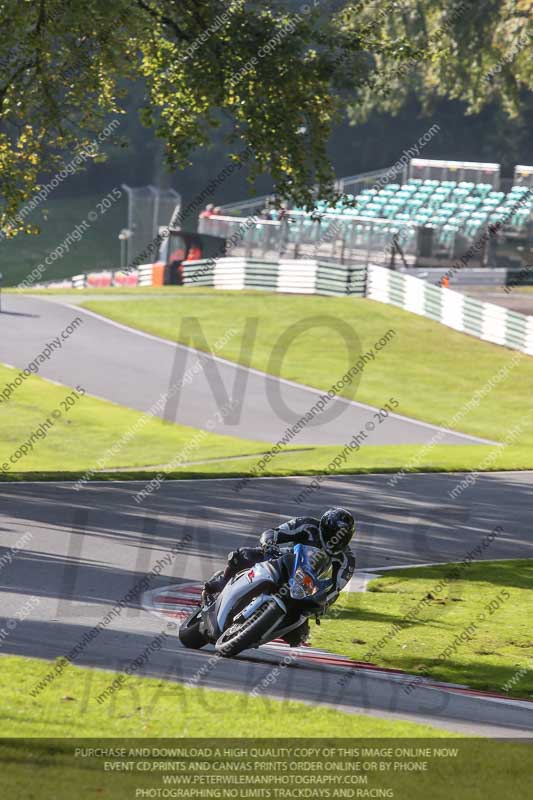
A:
(263, 603)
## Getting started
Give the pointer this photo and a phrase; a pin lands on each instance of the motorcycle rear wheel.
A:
(239, 637)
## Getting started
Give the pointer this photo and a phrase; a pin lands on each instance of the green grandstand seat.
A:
(389, 211)
(393, 186)
(471, 204)
(408, 187)
(460, 194)
(495, 196)
(473, 228)
(466, 185)
(519, 189)
(482, 189)
(415, 181)
(446, 235)
(449, 184)
(436, 200)
(361, 235)
(521, 218)
(432, 183)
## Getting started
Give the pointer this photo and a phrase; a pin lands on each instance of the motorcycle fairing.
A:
(262, 576)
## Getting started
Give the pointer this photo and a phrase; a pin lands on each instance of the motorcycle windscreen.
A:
(309, 572)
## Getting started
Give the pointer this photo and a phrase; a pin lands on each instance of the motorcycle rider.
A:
(331, 533)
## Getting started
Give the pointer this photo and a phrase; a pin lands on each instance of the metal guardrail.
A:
(299, 276)
(487, 321)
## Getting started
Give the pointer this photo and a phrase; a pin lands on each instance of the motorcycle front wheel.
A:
(242, 635)
(190, 634)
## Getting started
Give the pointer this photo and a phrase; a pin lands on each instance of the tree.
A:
(477, 51)
(279, 73)
(66, 66)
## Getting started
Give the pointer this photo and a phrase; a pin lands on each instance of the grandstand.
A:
(431, 217)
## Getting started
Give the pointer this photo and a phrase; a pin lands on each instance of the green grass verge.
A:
(494, 597)
(430, 369)
(425, 378)
(98, 247)
(86, 434)
(42, 766)
(151, 707)
(83, 435)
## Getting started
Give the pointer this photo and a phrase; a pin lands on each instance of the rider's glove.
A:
(268, 538)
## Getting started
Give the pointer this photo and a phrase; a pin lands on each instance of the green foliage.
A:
(67, 65)
(477, 51)
(276, 75)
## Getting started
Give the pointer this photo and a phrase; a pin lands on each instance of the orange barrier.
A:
(158, 273)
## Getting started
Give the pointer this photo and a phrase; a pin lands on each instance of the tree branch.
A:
(170, 23)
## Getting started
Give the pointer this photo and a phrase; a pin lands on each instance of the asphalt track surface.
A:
(84, 550)
(134, 369)
(514, 299)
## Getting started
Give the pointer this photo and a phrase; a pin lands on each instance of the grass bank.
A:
(122, 444)
(436, 374)
(96, 248)
(151, 707)
(92, 430)
(469, 625)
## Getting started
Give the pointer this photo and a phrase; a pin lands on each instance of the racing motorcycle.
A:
(263, 603)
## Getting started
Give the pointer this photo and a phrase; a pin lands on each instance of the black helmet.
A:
(337, 527)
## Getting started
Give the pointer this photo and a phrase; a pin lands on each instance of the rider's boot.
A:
(298, 636)
(214, 585)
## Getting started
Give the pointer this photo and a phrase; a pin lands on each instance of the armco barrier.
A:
(79, 281)
(300, 276)
(103, 279)
(486, 321)
(145, 274)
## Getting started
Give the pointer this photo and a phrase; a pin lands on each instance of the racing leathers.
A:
(300, 530)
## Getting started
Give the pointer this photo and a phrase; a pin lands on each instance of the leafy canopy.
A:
(282, 73)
